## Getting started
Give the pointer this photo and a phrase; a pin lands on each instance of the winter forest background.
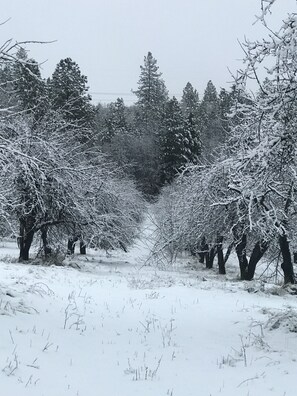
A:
(220, 168)
(150, 249)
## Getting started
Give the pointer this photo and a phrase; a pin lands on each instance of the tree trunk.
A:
(257, 253)
(221, 261)
(241, 254)
(203, 251)
(212, 255)
(287, 265)
(82, 247)
(123, 247)
(71, 245)
(46, 248)
(26, 237)
(248, 267)
(228, 252)
(206, 255)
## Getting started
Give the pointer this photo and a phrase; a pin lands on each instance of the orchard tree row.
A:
(247, 198)
(55, 183)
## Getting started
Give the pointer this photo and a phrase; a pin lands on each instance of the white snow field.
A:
(113, 327)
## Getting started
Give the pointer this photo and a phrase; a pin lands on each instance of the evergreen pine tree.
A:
(210, 124)
(152, 95)
(69, 94)
(116, 136)
(192, 141)
(29, 87)
(190, 101)
(100, 127)
(174, 141)
(149, 109)
(226, 101)
(116, 119)
(190, 106)
(8, 101)
(210, 101)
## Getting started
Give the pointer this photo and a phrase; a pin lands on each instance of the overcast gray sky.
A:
(192, 40)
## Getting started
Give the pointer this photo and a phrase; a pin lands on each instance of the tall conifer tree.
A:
(149, 109)
(116, 119)
(152, 96)
(192, 140)
(190, 100)
(210, 124)
(29, 88)
(173, 141)
(69, 94)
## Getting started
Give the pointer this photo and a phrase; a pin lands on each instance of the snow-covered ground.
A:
(114, 327)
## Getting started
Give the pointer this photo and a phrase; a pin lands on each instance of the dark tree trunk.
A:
(206, 255)
(257, 253)
(82, 247)
(71, 245)
(46, 248)
(193, 251)
(203, 250)
(228, 252)
(248, 267)
(241, 254)
(26, 237)
(287, 265)
(221, 261)
(212, 255)
(123, 246)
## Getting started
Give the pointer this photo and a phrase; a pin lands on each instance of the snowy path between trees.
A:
(117, 328)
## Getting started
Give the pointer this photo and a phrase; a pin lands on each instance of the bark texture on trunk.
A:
(228, 252)
(241, 254)
(212, 255)
(248, 267)
(257, 253)
(287, 265)
(82, 247)
(221, 261)
(46, 248)
(203, 251)
(26, 237)
(71, 245)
